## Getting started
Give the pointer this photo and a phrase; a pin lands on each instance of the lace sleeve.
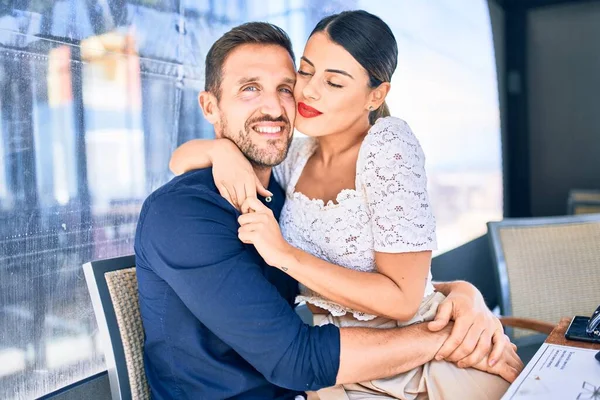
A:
(391, 170)
(283, 172)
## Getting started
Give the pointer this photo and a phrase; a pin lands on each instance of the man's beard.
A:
(258, 157)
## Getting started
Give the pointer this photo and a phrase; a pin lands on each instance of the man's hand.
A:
(476, 330)
(508, 366)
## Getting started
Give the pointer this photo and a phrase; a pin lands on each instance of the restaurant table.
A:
(558, 337)
(556, 373)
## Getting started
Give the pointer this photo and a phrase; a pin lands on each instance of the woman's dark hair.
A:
(371, 43)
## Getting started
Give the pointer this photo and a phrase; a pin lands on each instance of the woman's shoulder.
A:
(300, 149)
(300, 145)
(389, 121)
(391, 129)
(390, 135)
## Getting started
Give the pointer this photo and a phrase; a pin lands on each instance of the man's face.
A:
(256, 106)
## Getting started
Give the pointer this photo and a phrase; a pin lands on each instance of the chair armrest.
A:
(527, 323)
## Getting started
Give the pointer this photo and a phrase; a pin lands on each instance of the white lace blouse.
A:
(389, 211)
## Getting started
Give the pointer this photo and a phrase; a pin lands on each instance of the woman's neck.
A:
(336, 144)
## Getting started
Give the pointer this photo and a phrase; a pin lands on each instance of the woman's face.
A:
(332, 89)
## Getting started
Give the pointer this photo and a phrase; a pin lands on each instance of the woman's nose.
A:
(310, 91)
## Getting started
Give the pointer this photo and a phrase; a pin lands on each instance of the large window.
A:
(445, 87)
(94, 96)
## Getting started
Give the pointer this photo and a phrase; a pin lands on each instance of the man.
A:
(218, 320)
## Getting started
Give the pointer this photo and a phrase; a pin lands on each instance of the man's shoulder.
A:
(183, 220)
(198, 183)
(193, 193)
(198, 180)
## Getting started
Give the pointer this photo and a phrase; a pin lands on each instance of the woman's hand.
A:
(260, 228)
(234, 176)
(508, 366)
(477, 333)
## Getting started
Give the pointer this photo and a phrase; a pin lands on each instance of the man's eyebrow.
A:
(246, 79)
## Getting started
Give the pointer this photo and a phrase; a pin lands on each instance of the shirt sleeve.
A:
(391, 169)
(221, 281)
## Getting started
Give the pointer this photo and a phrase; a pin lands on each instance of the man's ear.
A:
(210, 107)
(378, 95)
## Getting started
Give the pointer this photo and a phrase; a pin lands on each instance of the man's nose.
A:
(272, 105)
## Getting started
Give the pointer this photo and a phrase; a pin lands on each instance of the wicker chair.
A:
(473, 262)
(583, 202)
(112, 285)
(547, 268)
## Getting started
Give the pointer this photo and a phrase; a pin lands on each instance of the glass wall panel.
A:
(94, 97)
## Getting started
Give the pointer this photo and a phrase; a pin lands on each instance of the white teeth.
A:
(268, 129)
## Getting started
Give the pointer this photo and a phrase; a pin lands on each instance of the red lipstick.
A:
(307, 111)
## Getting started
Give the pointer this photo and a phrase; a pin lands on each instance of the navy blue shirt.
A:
(218, 320)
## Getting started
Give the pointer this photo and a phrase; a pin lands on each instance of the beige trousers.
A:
(436, 380)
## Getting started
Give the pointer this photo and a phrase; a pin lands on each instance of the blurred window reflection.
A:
(94, 97)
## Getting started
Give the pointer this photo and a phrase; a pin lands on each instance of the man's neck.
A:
(263, 174)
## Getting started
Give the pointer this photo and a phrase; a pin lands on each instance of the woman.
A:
(356, 199)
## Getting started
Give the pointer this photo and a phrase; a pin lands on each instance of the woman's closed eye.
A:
(334, 85)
